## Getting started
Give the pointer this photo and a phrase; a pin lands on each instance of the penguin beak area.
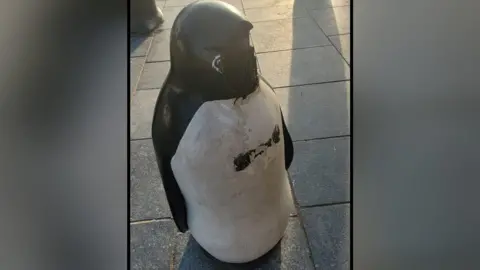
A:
(240, 71)
(240, 66)
(245, 27)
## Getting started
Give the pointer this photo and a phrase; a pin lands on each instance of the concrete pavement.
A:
(303, 51)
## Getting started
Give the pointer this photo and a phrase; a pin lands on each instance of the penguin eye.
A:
(217, 64)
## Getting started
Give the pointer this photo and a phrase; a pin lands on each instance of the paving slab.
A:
(291, 253)
(317, 110)
(322, 4)
(342, 43)
(303, 66)
(151, 245)
(275, 13)
(333, 21)
(320, 171)
(153, 76)
(139, 45)
(160, 4)
(147, 195)
(160, 48)
(328, 232)
(141, 114)
(249, 4)
(287, 34)
(236, 3)
(178, 3)
(311, 4)
(136, 67)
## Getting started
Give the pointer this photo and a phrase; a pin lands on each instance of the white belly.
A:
(237, 216)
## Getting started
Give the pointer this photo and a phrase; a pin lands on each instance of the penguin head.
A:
(210, 50)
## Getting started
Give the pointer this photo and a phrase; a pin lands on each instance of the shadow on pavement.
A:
(195, 257)
(136, 41)
(318, 107)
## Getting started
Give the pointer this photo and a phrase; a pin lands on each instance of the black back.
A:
(200, 33)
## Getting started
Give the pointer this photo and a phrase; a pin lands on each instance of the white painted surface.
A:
(236, 216)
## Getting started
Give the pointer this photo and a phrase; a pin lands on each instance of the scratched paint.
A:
(243, 160)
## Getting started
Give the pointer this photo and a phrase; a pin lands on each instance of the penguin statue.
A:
(221, 143)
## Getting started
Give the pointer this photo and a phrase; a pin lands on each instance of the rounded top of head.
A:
(210, 50)
(207, 24)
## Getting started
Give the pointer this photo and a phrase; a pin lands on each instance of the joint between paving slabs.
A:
(305, 84)
(324, 204)
(156, 61)
(141, 139)
(292, 6)
(322, 138)
(347, 5)
(298, 216)
(305, 231)
(307, 239)
(145, 221)
(328, 36)
(338, 50)
(294, 49)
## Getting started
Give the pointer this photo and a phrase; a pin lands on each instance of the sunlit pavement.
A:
(303, 52)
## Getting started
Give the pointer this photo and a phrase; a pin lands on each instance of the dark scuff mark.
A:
(242, 161)
(276, 134)
(242, 97)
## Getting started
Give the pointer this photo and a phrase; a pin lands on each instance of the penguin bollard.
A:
(145, 16)
(220, 139)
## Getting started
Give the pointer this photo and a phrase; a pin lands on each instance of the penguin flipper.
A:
(164, 145)
(288, 144)
(175, 198)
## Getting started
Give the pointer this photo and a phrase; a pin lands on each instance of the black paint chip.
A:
(242, 161)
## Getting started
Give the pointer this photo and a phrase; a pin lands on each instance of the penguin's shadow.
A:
(195, 257)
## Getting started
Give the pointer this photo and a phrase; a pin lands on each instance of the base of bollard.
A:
(144, 20)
